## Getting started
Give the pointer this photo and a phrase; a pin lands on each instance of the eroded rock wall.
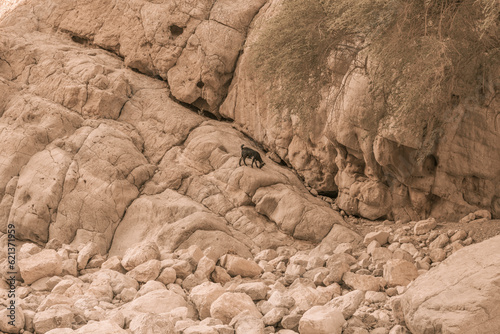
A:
(381, 164)
(95, 151)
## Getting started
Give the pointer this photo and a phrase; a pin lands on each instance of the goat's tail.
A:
(242, 145)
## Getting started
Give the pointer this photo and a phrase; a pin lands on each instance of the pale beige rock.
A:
(167, 276)
(118, 281)
(85, 254)
(146, 271)
(279, 299)
(69, 267)
(437, 255)
(236, 265)
(256, 290)
(220, 275)
(139, 254)
(200, 329)
(337, 270)
(246, 322)
(381, 255)
(156, 302)
(274, 316)
(469, 280)
(321, 320)
(399, 272)
(380, 236)
(230, 304)
(205, 267)
(104, 326)
(348, 303)
(148, 323)
(301, 214)
(363, 282)
(55, 317)
(150, 286)
(28, 249)
(113, 263)
(204, 295)
(43, 264)
(424, 226)
(439, 242)
(14, 315)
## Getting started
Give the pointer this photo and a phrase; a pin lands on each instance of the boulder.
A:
(147, 323)
(381, 237)
(43, 264)
(7, 316)
(399, 272)
(146, 271)
(256, 290)
(321, 320)
(204, 295)
(230, 304)
(424, 226)
(236, 265)
(57, 316)
(139, 254)
(363, 282)
(105, 326)
(458, 296)
(156, 302)
(348, 303)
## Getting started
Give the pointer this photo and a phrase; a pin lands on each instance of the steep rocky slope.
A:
(132, 214)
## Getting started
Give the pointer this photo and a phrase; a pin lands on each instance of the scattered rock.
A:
(42, 264)
(230, 304)
(399, 272)
(321, 320)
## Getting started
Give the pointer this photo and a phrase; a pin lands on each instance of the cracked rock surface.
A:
(133, 215)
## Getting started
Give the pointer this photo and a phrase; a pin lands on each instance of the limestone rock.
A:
(167, 276)
(55, 317)
(236, 265)
(381, 237)
(363, 282)
(348, 303)
(85, 254)
(151, 323)
(157, 301)
(43, 264)
(424, 226)
(8, 315)
(256, 290)
(469, 280)
(104, 326)
(140, 254)
(321, 320)
(230, 304)
(399, 272)
(204, 295)
(146, 271)
(247, 322)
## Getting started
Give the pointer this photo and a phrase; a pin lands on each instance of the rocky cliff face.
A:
(143, 207)
(90, 144)
(375, 158)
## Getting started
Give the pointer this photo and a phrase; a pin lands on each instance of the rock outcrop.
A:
(459, 296)
(91, 147)
(374, 156)
(131, 213)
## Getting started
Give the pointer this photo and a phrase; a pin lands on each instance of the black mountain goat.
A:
(247, 152)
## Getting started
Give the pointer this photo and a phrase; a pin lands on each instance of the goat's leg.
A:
(245, 160)
(239, 162)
